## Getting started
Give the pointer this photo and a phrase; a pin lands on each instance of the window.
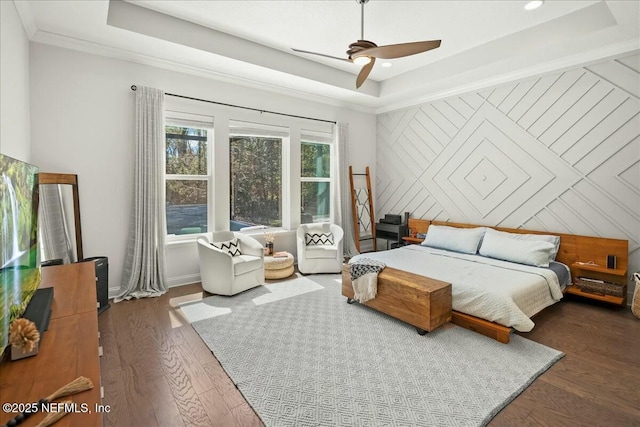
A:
(187, 178)
(256, 157)
(256, 172)
(315, 186)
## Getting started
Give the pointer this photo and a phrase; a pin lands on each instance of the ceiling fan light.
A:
(386, 64)
(361, 60)
(533, 4)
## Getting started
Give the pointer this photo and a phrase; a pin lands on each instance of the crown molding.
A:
(66, 42)
(26, 17)
(582, 59)
(279, 67)
(578, 60)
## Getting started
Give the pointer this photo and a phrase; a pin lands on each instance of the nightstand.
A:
(599, 283)
(391, 233)
(412, 240)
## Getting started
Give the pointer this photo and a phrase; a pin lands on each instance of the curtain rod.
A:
(134, 88)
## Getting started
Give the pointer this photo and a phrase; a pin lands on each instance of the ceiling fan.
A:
(365, 52)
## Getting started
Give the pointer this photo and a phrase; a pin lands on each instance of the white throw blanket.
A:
(364, 278)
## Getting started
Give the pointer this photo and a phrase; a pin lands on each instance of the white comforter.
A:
(498, 291)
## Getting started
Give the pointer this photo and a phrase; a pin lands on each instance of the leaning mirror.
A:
(59, 221)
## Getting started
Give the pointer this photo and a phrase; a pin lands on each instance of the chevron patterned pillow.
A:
(318, 239)
(232, 246)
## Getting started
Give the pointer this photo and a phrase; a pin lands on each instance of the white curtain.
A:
(144, 272)
(340, 192)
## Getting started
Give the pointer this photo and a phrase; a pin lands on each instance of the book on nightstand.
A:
(281, 254)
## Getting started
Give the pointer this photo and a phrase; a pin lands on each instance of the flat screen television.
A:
(19, 258)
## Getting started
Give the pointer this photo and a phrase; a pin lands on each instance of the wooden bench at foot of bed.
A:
(420, 301)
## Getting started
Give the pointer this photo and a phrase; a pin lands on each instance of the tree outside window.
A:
(187, 179)
(256, 181)
(315, 180)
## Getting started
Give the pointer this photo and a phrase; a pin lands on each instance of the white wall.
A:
(82, 113)
(559, 152)
(14, 85)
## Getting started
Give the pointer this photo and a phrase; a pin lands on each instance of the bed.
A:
(495, 296)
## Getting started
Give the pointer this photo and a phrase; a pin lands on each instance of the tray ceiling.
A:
(249, 42)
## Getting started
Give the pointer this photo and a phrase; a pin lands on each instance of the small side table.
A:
(278, 267)
(392, 233)
(408, 240)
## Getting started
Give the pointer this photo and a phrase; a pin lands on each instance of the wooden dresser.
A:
(68, 350)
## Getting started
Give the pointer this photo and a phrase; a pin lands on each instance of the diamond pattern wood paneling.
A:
(559, 152)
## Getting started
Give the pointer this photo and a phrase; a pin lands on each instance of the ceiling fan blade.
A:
(400, 50)
(364, 73)
(321, 54)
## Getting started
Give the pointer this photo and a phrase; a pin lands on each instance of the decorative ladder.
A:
(364, 224)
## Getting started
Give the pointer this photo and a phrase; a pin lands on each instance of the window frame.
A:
(315, 137)
(220, 118)
(248, 128)
(179, 119)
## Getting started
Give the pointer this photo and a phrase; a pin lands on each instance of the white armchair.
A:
(318, 255)
(224, 274)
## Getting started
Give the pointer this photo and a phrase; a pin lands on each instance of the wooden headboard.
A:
(573, 248)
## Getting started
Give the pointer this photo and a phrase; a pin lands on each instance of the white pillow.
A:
(232, 247)
(530, 252)
(555, 240)
(464, 240)
(319, 239)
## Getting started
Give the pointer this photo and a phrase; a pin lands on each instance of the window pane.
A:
(316, 199)
(316, 160)
(186, 150)
(256, 180)
(186, 206)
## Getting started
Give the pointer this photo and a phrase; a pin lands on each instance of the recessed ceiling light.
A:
(386, 64)
(533, 4)
(361, 60)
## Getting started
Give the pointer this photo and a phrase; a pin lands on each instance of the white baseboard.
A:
(171, 282)
(188, 279)
(113, 292)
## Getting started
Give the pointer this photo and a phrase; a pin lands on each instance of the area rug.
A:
(313, 360)
(219, 305)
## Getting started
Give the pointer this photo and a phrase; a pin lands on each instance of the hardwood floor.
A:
(156, 371)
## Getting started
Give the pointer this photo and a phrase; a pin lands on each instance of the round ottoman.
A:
(278, 267)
